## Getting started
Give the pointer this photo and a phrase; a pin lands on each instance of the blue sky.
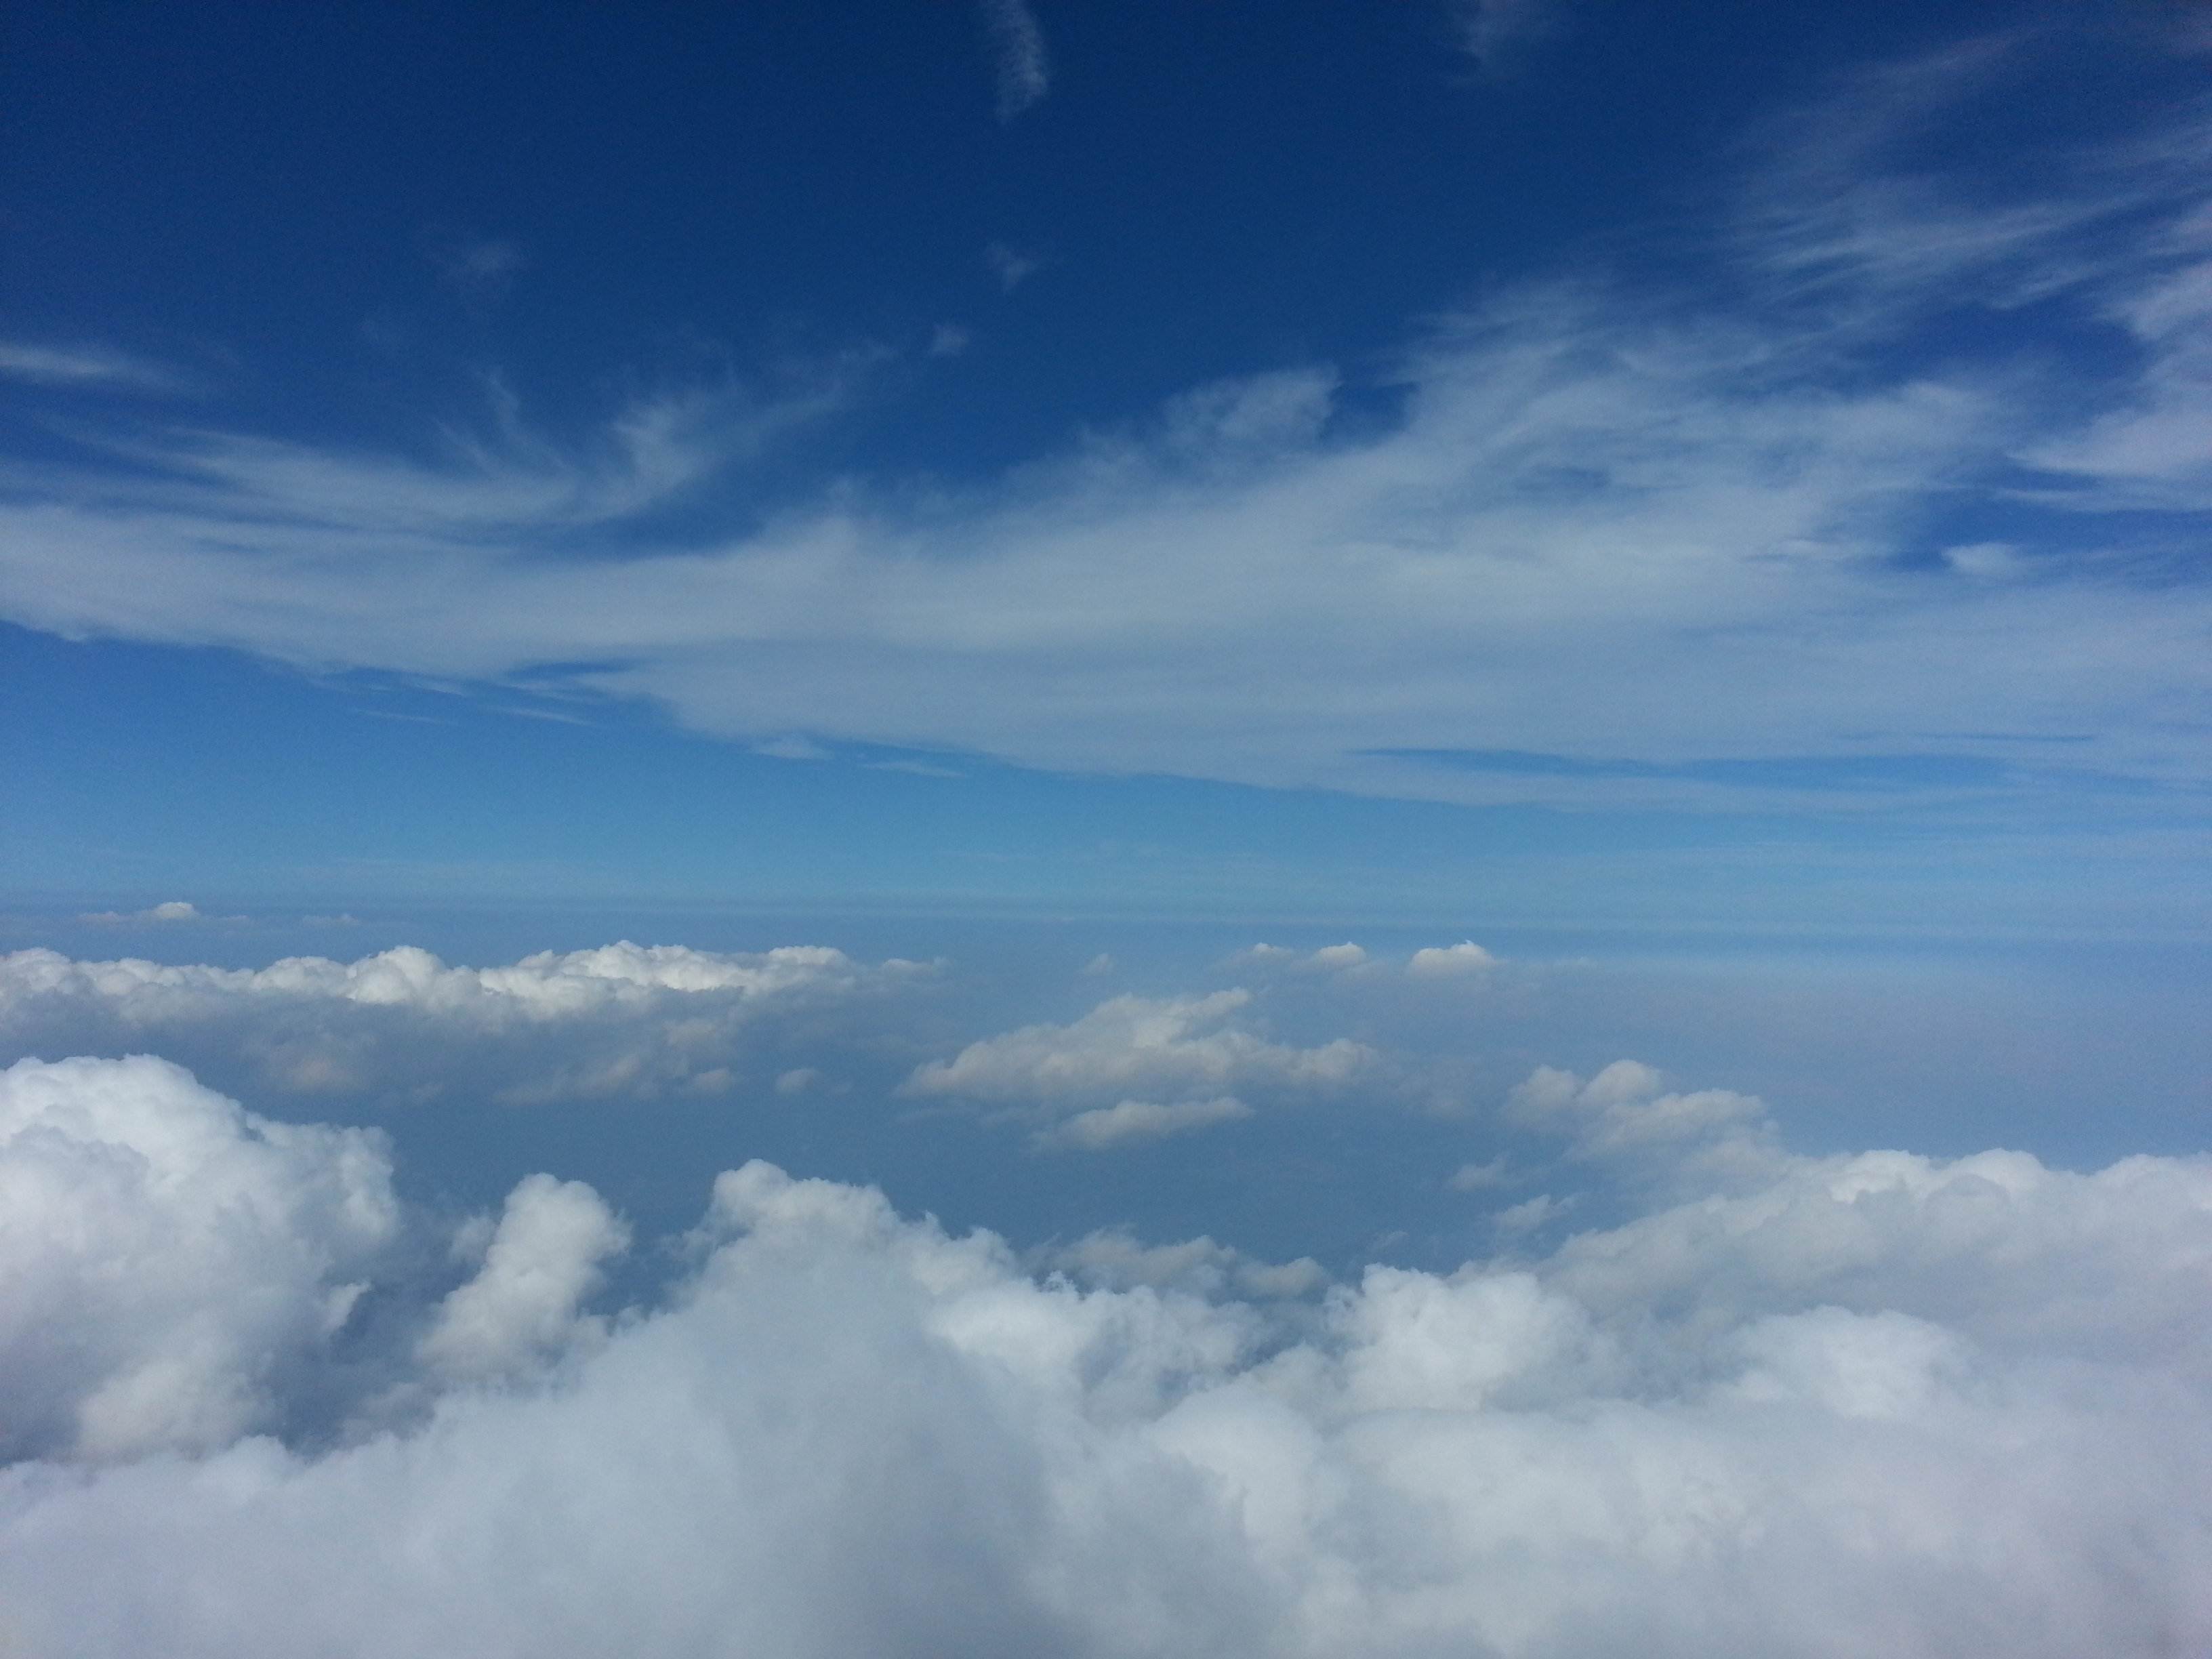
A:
(1749, 429)
(1307, 830)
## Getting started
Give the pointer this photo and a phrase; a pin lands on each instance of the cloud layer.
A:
(618, 1021)
(1843, 521)
(1873, 1403)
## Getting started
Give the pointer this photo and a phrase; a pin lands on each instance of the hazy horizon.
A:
(1290, 831)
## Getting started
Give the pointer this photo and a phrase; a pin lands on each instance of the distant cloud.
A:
(1496, 33)
(1181, 1046)
(791, 748)
(480, 269)
(622, 1021)
(1450, 962)
(1139, 1120)
(1346, 955)
(1330, 958)
(1708, 1136)
(168, 910)
(1011, 265)
(1018, 59)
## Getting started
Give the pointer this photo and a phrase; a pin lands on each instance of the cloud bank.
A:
(1723, 541)
(1871, 1403)
(618, 1021)
(1178, 1049)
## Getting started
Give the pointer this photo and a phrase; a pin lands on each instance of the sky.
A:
(1034, 827)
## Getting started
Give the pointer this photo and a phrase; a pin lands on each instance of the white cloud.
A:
(1497, 34)
(1113, 1259)
(168, 910)
(1449, 961)
(1346, 955)
(621, 1021)
(1177, 1046)
(1589, 489)
(1883, 1404)
(1018, 59)
(2155, 451)
(1479, 1177)
(542, 1262)
(1138, 1120)
(1625, 1113)
(1011, 266)
(167, 1256)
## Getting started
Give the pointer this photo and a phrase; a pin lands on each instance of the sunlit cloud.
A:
(1866, 1391)
(1676, 545)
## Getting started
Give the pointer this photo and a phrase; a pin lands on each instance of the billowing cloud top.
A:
(1866, 1402)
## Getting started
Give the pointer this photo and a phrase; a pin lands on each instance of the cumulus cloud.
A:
(1880, 1403)
(166, 1257)
(1521, 582)
(1449, 960)
(618, 1021)
(1346, 955)
(542, 1262)
(1181, 1049)
(1626, 1113)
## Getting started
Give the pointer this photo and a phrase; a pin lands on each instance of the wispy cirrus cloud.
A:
(1499, 33)
(87, 367)
(1019, 62)
(1719, 544)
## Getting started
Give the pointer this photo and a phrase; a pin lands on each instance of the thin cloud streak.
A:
(1018, 59)
(1645, 529)
(96, 368)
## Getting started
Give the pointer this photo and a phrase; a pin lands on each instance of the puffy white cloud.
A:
(1625, 1113)
(1449, 960)
(167, 1256)
(621, 1021)
(2106, 1267)
(1346, 955)
(1177, 1046)
(542, 1262)
(852, 1435)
